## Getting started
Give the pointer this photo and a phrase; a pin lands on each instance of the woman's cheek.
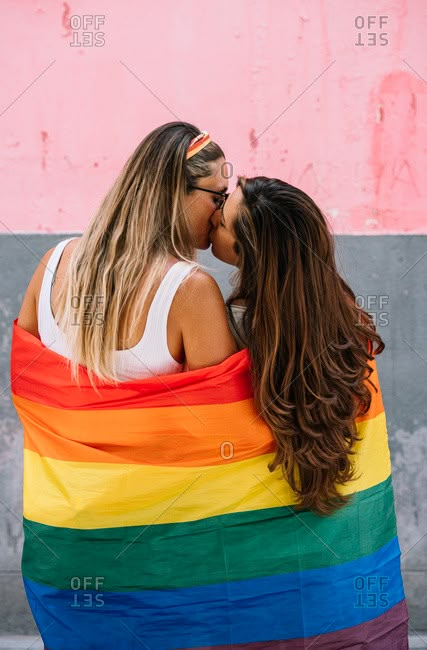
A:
(228, 246)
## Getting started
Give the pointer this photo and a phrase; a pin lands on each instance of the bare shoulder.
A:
(63, 261)
(71, 245)
(203, 320)
(200, 280)
(37, 279)
(198, 289)
(27, 317)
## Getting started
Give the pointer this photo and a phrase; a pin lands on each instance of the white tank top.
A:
(150, 356)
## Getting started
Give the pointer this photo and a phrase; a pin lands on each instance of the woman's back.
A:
(174, 330)
(150, 354)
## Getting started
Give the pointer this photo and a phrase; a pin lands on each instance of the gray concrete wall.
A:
(387, 273)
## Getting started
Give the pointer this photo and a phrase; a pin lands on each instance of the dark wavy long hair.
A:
(309, 342)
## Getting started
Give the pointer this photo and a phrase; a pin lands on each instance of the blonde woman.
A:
(127, 299)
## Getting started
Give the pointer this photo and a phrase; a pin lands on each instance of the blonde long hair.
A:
(123, 252)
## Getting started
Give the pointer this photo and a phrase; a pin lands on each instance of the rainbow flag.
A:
(152, 521)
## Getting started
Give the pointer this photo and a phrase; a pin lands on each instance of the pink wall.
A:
(356, 139)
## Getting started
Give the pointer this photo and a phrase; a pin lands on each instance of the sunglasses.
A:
(219, 202)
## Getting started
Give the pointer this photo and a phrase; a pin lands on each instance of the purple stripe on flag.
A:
(386, 632)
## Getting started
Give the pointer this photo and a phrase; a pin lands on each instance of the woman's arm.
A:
(206, 334)
(27, 318)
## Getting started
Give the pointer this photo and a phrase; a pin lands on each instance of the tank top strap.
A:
(44, 310)
(157, 318)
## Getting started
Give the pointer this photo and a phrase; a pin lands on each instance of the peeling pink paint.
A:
(66, 18)
(44, 136)
(253, 139)
(396, 156)
(281, 87)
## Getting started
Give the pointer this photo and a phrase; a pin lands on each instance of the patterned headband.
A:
(198, 143)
